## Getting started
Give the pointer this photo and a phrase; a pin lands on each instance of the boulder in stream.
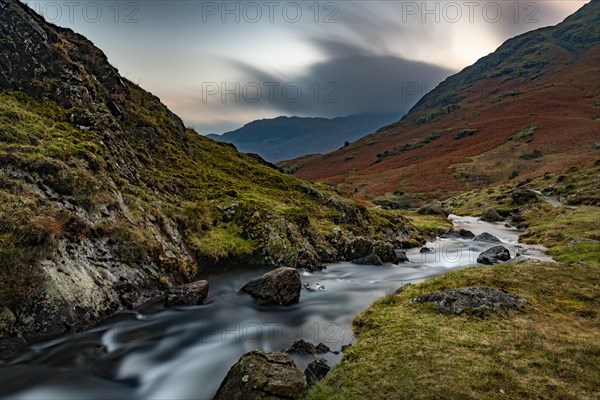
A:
(458, 234)
(371, 259)
(486, 237)
(261, 375)
(190, 294)
(281, 286)
(458, 301)
(303, 347)
(494, 255)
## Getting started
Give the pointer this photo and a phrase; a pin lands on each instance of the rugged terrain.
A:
(107, 199)
(283, 138)
(531, 107)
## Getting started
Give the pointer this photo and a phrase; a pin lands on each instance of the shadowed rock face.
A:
(458, 301)
(281, 286)
(261, 375)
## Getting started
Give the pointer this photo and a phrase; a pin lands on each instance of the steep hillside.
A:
(533, 106)
(107, 199)
(283, 138)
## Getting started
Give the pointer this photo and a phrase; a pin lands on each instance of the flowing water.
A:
(184, 353)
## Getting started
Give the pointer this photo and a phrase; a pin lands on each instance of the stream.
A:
(185, 352)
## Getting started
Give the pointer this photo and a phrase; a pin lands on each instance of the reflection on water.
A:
(184, 353)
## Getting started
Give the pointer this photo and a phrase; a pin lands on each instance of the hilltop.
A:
(532, 106)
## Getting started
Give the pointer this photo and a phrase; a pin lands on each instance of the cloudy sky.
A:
(222, 64)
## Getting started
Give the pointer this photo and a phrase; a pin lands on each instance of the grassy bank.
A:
(549, 349)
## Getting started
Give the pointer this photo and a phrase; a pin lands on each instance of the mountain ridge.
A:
(283, 137)
(545, 79)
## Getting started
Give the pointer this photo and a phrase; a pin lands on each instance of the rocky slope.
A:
(531, 107)
(108, 200)
(283, 138)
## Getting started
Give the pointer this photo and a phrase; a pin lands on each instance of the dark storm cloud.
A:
(355, 80)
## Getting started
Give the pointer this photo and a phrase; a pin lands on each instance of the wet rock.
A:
(322, 349)
(371, 259)
(281, 286)
(425, 250)
(313, 287)
(315, 371)
(494, 255)
(524, 196)
(260, 375)
(402, 257)
(486, 237)
(191, 294)
(303, 347)
(458, 234)
(458, 301)
(490, 215)
(433, 210)
(522, 227)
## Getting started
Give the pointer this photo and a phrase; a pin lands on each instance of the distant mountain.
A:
(283, 138)
(531, 107)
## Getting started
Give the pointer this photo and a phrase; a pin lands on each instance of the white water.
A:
(184, 353)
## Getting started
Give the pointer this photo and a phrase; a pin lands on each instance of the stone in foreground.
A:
(315, 371)
(281, 286)
(458, 301)
(191, 294)
(494, 255)
(262, 375)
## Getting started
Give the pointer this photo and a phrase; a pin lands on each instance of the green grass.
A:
(551, 349)
(223, 242)
(433, 225)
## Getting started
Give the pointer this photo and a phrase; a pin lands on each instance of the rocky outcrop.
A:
(281, 286)
(490, 215)
(486, 237)
(260, 375)
(190, 294)
(315, 371)
(458, 301)
(494, 255)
